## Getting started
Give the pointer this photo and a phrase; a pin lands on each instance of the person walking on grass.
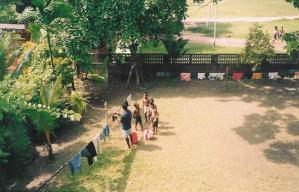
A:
(125, 120)
(137, 116)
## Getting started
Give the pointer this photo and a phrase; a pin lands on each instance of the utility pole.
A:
(215, 24)
(209, 16)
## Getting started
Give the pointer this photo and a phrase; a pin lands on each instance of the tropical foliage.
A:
(259, 48)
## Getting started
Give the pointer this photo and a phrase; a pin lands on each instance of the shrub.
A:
(258, 47)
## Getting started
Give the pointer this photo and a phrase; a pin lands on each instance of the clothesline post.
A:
(106, 112)
(226, 77)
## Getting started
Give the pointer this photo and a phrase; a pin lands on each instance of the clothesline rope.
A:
(66, 163)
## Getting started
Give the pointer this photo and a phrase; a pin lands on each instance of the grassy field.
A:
(192, 48)
(241, 29)
(245, 8)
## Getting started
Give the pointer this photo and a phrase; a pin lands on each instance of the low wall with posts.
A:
(150, 64)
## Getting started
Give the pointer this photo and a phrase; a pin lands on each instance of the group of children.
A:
(150, 112)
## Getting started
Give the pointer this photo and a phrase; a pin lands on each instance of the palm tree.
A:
(43, 121)
(43, 13)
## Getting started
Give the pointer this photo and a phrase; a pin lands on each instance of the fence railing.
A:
(196, 59)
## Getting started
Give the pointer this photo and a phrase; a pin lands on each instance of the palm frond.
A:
(50, 93)
(40, 4)
(58, 9)
(29, 14)
(35, 32)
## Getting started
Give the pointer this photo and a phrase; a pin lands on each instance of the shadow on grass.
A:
(283, 152)
(122, 181)
(101, 176)
(208, 31)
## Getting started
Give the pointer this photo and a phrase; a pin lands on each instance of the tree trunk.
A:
(136, 71)
(51, 52)
(140, 70)
(130, 74)
(48, 144)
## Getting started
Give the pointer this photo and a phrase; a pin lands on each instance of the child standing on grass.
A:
(154, 118)
(137, 116)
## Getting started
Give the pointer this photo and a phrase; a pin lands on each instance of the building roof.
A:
(12, 26)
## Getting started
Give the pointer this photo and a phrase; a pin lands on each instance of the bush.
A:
(258, 47)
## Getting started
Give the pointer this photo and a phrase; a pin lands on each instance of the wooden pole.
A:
(106, 112)
(130, 74)
(226, 77)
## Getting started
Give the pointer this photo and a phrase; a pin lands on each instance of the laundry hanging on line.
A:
(274, 76)
(185, 76)
(201, 76)
(237, 76)
(75, 163)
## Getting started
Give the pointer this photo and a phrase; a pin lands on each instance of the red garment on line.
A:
(185, 76)
(237, 76)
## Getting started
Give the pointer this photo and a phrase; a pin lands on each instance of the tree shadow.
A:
(44, 166)
(293, 126)
(208, 31)
(259, 128)
(123, 180)
(283, 152)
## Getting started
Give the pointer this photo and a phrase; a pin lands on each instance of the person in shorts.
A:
(154, 118)
(125, 120)
(137, 116)
(146, 105)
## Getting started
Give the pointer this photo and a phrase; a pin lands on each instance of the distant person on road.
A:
(281, 33)
(275, 34)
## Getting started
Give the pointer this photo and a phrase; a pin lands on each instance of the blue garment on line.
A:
(106, 131)
(75, 163)
(84, 153)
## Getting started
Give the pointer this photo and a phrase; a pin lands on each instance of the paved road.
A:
(239, 19)
(228, 42)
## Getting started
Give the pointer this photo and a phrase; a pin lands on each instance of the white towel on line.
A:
(274, 75)
(213, 76)
(201, 76)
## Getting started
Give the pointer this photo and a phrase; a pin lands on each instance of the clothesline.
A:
(98, 148)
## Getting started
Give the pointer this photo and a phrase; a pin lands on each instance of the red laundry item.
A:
(185, 76)
(237, 76)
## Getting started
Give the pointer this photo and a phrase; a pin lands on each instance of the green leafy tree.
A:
(292, 38)
(175, 46)
(44, 13)
(295, 3)
(258, 48)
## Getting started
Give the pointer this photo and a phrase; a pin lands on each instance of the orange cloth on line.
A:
(237, 76)
(256, 76)
(296, 75)
(185, 76)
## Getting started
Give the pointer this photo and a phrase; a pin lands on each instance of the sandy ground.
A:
(227, 143)
(243, 139)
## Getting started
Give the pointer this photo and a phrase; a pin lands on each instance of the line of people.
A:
(151, 116)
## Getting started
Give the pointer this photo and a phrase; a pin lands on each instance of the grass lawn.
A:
(246, 8)
(192, 48)
(241, 29)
